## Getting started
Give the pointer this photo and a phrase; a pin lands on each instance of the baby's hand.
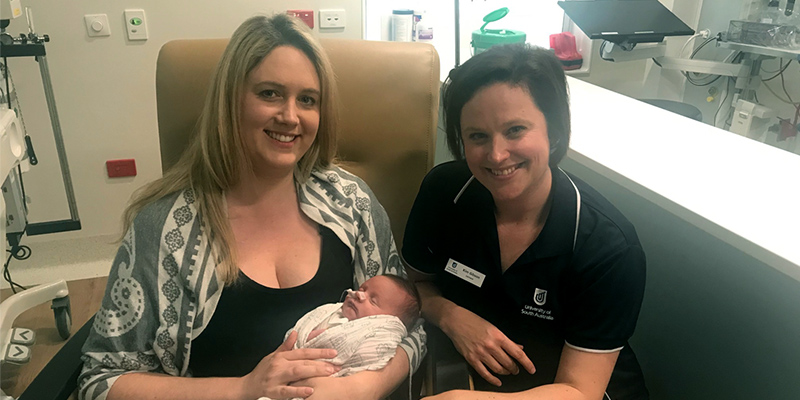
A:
(314, 333)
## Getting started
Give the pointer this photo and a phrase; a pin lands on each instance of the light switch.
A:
(135, 24)
(97, 25)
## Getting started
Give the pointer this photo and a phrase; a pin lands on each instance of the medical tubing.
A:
(780, 72)
(686, 74)
(730, 58)
(20, 253)
(796, 105)
(721, 103)
(695, 36)
(680, 54)
(783, 85)
(779, 97)
(6, 78)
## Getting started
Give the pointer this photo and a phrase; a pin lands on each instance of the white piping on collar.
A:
(463, 189)
(577, 208)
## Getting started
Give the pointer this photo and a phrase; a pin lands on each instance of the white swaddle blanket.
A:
(364, 344)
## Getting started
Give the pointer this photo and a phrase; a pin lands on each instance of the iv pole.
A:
(15, 342)
(32, 45)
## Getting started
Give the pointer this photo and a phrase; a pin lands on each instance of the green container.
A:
(484, 38)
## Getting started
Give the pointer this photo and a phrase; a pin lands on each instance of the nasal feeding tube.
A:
(357, 294)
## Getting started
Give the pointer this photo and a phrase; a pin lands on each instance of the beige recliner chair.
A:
(389, 96)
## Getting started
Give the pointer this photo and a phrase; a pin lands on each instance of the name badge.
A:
(464, 272)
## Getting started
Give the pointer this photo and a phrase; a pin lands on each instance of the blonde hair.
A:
(216, 159)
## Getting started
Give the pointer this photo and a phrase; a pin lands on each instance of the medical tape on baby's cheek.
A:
(355, 294)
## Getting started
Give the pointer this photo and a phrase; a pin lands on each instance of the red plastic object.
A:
(564, 45)
(306, 16)
(121, 168)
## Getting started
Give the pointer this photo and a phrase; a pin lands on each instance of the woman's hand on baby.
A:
(272, 376)
(484, 346)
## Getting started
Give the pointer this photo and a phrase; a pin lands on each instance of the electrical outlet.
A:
(331, 18)
(306, 16)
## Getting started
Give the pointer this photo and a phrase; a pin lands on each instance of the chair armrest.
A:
(448, 369)
(59, 378)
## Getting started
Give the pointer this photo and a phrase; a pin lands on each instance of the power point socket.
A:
(331, 18)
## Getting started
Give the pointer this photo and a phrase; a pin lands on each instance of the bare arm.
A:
(484, 346)
(365, 385)
(270, 378)
(145, 385)
(581, 376)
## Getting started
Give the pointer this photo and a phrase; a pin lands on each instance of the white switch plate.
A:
(97, 25)
(331, 18)
(136, 24)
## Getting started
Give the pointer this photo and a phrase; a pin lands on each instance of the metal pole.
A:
(59, 138)
(458, 34)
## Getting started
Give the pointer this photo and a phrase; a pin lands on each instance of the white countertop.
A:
(739, 190)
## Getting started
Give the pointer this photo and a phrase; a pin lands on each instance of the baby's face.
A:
(377, 296)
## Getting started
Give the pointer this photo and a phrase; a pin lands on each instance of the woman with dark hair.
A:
(534, 276)
(251, 229)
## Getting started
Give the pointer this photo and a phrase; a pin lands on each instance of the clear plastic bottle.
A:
(425, 28)
(786, 37)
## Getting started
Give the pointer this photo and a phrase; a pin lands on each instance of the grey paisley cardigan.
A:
(163, 288)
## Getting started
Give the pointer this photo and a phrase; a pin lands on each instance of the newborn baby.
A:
(366, 328)
(388, 295)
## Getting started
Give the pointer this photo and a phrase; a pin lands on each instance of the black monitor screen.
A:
(635, 21)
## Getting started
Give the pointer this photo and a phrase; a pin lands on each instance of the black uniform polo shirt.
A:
(581, 289)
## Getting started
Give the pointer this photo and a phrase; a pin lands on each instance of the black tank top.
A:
(250, 319)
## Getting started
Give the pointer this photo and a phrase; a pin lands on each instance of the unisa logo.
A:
(540, 297)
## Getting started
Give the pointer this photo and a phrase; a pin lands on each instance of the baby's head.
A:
(384, 295)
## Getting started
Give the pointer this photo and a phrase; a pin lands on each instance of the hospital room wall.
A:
(716, 323)
(105, 93)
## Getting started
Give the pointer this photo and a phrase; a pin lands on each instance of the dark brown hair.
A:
(532, 68)
(412, 308)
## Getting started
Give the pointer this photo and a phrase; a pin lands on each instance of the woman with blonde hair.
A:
(252, 228)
